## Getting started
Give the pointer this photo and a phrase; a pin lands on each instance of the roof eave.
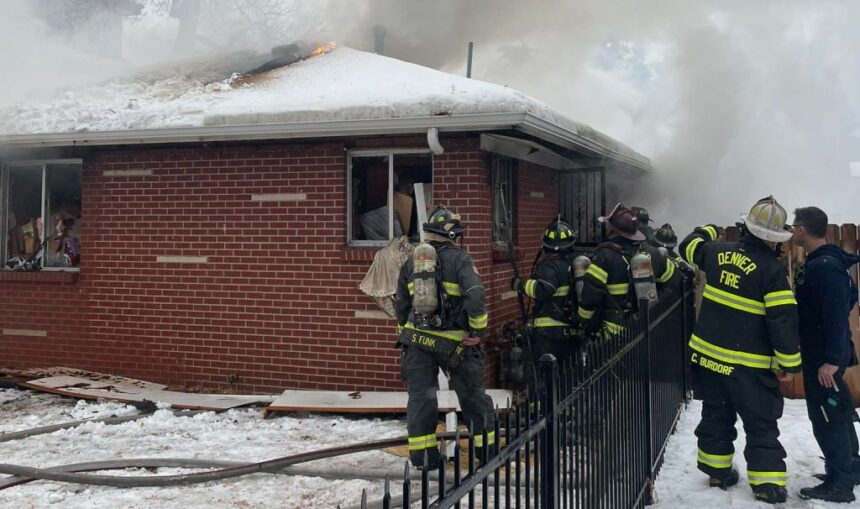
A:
(525, 122)
(292, 130)
(564, 137)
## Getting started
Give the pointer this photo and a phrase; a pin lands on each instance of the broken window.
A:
(42, 209)
(383, 201)
(502, 181)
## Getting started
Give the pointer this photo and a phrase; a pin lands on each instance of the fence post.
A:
(549, 454)
(644, 305)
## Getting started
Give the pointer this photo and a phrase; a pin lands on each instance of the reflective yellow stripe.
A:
(491, 439)
(545, 321)
(712, 232)
(411, 287)
(691, 250)
(453, 335)
(786, 360)
(530, 288)
(619, 289)
(715, 460)
(452, 289)
(597, 273)
(781, 298)
(585, 314)
(751, 360)
(478, 322)
(422, 442)
(562, 291)
(758, 478)
(613, 328)
(670, 271)
(733, 301)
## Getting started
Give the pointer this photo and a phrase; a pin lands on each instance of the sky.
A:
(732, 100)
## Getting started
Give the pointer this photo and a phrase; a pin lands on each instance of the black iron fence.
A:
(596, 437)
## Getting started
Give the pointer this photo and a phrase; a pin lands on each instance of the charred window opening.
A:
(382, 197)
(502, 181)
(42, 215)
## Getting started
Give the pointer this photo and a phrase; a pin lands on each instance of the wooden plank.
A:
(88, 389)
(93, 376)
(367, 402)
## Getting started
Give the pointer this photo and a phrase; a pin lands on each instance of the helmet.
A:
(642, 215)
(766, 221)
(558, 236)
(665, 237)
(623, 222)
(446, 222)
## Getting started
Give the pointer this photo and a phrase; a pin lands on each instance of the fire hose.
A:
(269, 466)
(326, 473)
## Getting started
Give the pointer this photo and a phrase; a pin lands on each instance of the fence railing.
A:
(594, 439)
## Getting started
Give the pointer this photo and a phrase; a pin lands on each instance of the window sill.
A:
(44, 276)
(356, 254)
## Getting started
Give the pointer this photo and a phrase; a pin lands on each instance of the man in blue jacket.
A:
(825, 296)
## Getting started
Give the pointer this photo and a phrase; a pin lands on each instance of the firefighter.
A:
(744, 342)
(608, 295)
(448, 338)
(644, 218)
(666, 241)
(553, 316)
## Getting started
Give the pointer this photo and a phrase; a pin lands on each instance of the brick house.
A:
(225, 249)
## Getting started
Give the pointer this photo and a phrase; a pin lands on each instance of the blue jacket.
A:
(825, 296)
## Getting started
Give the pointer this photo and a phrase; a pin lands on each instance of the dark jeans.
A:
(832, 415)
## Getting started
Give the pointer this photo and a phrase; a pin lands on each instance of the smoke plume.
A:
(731, 100)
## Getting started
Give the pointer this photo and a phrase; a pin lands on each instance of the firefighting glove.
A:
(710, 231)
(517, 284)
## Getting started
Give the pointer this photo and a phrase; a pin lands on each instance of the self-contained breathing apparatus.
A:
(579, 268)
(425, 279)
(642, 276)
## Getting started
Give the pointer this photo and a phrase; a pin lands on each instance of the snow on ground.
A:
(238, 435)
(681, 485)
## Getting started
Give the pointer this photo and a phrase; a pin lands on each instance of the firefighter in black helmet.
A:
(746, 332)
(644, 218)
(608, 296)
(666, 241)
(448, 338)
(553, 315)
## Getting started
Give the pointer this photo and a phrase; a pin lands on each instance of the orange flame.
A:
(322, 50)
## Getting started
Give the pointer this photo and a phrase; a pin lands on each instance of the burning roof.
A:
(290, 89)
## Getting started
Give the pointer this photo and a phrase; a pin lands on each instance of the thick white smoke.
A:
(732, 100)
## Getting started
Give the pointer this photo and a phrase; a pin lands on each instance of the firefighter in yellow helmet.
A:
(608, 295)
(553, 319)
(447, 336)
(745, 338)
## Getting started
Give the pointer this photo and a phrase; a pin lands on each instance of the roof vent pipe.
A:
(433, 141)
(378, 39)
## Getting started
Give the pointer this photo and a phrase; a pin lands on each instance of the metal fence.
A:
(595, 438)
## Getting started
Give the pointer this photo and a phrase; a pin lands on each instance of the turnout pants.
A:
(565, 343)
(755, 397)
(832, 415)
(419, 369)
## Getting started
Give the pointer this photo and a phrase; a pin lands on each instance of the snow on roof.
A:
(343, 85)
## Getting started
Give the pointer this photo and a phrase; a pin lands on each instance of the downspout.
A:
(433, 141)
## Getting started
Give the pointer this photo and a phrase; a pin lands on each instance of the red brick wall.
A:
(536, 205)
(274, 306)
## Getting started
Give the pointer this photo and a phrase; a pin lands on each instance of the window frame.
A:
(512, 170)
(390, 153)
(5, 168)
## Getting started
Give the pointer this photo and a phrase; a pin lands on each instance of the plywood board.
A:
(367, 402)
(93, 376)
(88, 389)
